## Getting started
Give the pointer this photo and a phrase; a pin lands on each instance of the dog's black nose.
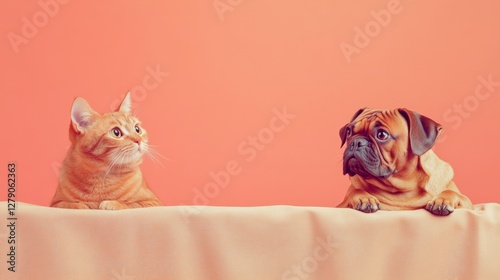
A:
(358, 143)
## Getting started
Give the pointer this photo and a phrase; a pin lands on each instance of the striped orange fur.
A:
(101, 168)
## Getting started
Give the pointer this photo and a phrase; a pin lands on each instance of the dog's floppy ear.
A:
(342, 131)
(423, 132)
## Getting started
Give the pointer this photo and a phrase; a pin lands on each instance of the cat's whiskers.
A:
(153, 150)
(115, 158)
(122, 161)
(155, 160)
(127, 152)
(153, 155)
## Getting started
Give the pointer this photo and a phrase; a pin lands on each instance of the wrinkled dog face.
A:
(378, 142)
(368, 137)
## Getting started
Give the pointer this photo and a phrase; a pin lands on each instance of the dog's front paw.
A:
(363, 201)
(112, 205)
(445, 203)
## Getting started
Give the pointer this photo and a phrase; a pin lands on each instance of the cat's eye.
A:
(137, 129)
(116, 132)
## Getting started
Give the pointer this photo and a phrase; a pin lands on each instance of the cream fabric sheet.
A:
(271, 242)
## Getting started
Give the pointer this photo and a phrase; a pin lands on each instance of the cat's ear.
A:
(126, 105)
(81, 115)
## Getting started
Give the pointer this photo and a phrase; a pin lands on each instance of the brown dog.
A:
(391, 165)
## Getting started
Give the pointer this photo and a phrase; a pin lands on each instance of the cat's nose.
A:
(137, 140)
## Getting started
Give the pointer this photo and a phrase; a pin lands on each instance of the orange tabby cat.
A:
(101, 169)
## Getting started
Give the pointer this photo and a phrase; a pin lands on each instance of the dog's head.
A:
(379, 143)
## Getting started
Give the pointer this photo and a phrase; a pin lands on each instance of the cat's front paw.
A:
(112, 205)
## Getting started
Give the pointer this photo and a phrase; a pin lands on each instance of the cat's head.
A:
(115, 137)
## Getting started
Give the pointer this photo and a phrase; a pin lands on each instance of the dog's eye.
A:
(348, 132)
(382, 135)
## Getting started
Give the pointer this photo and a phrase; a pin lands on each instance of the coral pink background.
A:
(229, 64)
